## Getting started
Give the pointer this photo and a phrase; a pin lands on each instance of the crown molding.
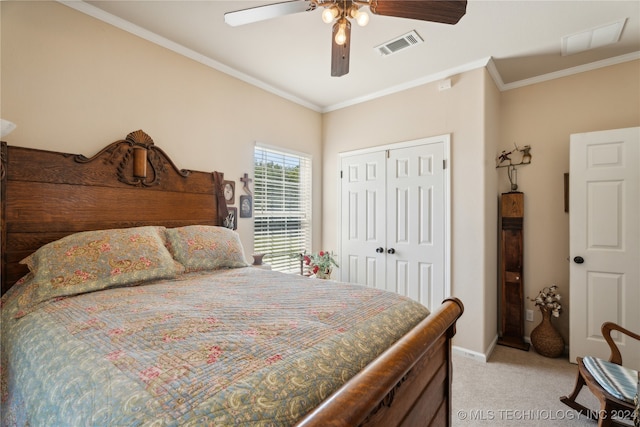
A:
(487, 62)
(122, 24)
(414, 83)
(495, 74)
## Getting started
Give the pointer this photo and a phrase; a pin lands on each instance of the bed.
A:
(159, 320)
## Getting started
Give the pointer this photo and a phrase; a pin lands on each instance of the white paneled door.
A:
(604, 214)
(363, 201)
(394, 224)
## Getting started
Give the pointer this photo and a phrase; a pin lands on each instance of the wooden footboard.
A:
(407, 385)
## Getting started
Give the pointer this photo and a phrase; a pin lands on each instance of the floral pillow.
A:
(205, 247)
(94, 260)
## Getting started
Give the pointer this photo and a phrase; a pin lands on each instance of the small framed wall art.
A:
(229, 191)
(231, 221)
(246, 208)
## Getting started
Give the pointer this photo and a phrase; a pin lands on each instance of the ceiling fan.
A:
(340, 12)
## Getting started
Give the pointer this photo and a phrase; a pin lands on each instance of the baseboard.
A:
(469, 354)
(480, 357)
(484, 357)
(492, 346)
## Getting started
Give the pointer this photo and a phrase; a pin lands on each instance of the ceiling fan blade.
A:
(262, 13)
(340, 52)
(443, 11)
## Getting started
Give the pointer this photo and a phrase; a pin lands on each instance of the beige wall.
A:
(492, 143)
(544, 116)
(417, 113)
(72, 83)
(483, 122)
(75, 84)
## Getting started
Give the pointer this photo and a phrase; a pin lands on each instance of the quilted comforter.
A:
(243, 346)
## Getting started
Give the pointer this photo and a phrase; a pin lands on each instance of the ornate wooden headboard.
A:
(47, 195)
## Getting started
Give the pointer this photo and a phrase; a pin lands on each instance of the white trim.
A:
(408, 85)
(487, 62)
(395, 145)
(302, 234)
(447, 213)
(125, 25)
(495, 74)
(470, 354)
(489, 350)
(122, 24)
(283, 150)
(444, 139)
(339, 208)
(493, 71)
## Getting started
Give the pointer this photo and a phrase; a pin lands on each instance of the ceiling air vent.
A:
(399, 43)
(592, 38)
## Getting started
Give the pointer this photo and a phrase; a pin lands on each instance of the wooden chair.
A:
(590, 371)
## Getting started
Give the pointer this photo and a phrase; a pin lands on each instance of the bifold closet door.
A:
(393, 221)
(363, 219)
(415, 223)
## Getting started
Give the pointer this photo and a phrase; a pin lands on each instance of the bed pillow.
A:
(206, 247)
(95, 260)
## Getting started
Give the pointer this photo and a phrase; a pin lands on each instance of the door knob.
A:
(380, 249)
(578, 260)
(391, 251)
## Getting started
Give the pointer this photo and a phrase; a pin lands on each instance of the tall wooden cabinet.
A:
(511, 271)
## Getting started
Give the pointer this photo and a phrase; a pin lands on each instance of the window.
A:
(281, 206)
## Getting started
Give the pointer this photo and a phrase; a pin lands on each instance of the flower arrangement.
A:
(549, 300)
(320, 263)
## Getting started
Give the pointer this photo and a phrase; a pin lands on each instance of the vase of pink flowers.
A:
(320, 264)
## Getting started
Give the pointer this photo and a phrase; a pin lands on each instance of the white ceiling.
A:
(520, 42)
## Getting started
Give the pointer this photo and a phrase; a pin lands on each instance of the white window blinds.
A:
(281, 207)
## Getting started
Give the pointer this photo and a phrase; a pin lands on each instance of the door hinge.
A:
(340, 174)
(444, 163)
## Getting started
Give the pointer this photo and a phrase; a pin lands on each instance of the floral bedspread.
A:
(243, 346)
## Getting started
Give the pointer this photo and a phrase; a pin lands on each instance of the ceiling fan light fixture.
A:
(329, 14)
(362, 18)
(341, 34)
(341, 12)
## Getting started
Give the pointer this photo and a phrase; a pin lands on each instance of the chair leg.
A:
(570, 400)
(604, 420)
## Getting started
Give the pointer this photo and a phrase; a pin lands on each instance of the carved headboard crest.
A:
(47, 195)
(149, 161)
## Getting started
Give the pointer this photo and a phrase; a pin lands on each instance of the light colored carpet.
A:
(516, 388)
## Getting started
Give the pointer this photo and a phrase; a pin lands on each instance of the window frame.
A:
(288, 209)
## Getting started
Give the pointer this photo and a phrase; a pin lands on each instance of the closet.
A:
(394, 218)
